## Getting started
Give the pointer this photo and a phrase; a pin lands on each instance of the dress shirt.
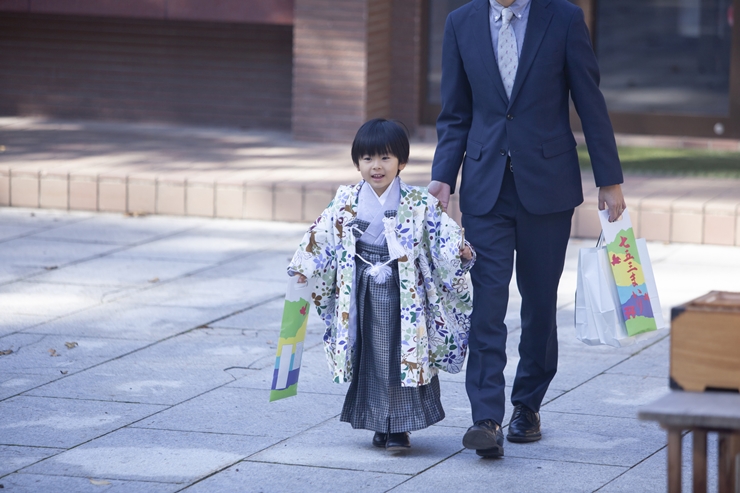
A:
(520, 8)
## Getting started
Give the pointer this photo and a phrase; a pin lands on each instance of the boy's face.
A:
(379, 171)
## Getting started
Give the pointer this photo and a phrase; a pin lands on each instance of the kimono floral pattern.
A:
(435, 296)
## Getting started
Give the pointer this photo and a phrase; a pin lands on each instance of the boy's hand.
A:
(466, 254)
(301, 279)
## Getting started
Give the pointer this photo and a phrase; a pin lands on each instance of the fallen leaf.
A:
(99, 482)
(64, 372)
(5, 352)
(154, 279)
(51, 267)
(71, 345)
(53, 352)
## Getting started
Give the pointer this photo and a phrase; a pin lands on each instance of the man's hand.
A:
(611, 198)
(441, 191)
(466, 254)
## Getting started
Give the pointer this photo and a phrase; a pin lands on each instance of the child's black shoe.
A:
(398, 441)
(379, 439)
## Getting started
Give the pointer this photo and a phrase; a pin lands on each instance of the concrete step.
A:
(227, 173)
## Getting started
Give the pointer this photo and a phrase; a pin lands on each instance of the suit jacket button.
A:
(502, 151)
(509, 116)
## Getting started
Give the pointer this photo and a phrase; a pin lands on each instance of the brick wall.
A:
(128, 69)
(406, 46)
(341, 67)
(240, 11)
(378, 104)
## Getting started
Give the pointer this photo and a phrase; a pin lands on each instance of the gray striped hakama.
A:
(375, 399)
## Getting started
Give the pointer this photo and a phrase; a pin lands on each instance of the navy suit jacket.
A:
(478, 125)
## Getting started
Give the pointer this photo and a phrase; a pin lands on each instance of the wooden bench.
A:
(700, 413)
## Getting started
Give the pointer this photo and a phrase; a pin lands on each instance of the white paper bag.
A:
(597, 316)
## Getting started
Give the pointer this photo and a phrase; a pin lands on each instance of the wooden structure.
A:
(705, 343)
(700, 413)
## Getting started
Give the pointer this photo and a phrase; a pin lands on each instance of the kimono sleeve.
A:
(443, 238)
(316, 253)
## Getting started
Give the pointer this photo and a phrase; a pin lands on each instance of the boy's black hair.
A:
(380, 136)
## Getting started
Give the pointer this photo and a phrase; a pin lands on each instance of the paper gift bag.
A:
(603, 308)
(629, 269)
(290, 342)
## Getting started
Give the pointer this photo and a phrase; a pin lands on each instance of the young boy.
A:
(390, 285)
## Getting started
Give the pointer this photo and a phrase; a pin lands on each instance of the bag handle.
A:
(600, 241)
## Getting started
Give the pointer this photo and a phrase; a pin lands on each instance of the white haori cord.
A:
(381, 271)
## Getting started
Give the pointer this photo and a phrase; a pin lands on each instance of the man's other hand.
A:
(441, 191)
(611, 198)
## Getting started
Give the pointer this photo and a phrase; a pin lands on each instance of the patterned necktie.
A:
(508, 55)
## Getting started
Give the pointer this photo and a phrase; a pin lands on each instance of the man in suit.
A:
(508, 69)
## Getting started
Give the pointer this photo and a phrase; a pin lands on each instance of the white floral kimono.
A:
(435, 297)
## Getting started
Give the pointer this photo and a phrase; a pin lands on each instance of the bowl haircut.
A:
(378, 137)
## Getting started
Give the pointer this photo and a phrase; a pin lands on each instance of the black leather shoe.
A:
(524, 426)
(486, 438)
(379, 439)
(398, 441)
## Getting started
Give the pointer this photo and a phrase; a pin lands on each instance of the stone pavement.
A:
(142, 353)
(229, 173)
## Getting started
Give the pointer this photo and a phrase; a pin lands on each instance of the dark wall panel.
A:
(146, 70)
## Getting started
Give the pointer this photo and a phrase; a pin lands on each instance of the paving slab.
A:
(611, 395)
(47, 482)
(466, 472)
(123, 320)
(267, 317)
(63, 423)
(110, 229)
(457, 405)
(315, 376)
(335, 444)
(39, 354)
(51, 300)
(225, 294)
(247, 412)
(268, 265)
(650, 362)
(120, 270)
(123, 381)
(41, 218)
(650, 474)
(202, 340)
(279, 478)
(10, 231)
(13, 458)
(151, 455)
(591, 439)
(11, 323)
(12, 384)
(27, 255)
(192, 246)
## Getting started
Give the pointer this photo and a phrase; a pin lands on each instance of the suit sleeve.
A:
(456, 115)
(582, 72)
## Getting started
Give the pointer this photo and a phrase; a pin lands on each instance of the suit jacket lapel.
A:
(539, 20)
(482, 29)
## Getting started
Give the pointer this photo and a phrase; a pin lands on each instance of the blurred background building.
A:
(319, 68)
